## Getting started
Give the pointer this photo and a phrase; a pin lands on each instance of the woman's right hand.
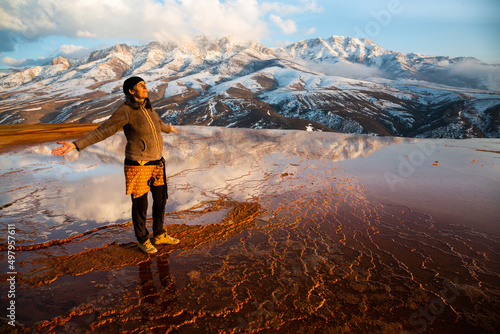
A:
(64, 149)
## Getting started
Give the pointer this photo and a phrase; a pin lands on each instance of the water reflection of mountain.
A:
(233, 145)
(206, 145)
(86, 189)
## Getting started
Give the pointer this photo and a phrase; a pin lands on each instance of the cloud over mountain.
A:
(144, 20)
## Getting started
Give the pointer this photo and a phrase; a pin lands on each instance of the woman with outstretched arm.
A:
(144, 164)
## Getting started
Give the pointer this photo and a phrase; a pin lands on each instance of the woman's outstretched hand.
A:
(65, 148)
(172, 128)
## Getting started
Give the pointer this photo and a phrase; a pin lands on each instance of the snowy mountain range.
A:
(337, 84)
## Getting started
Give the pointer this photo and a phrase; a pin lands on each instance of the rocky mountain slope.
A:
(338, 84)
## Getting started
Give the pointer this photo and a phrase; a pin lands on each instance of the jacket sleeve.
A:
(164, 127)
(111, 126)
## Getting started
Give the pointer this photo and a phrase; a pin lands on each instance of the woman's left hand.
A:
(172, 128)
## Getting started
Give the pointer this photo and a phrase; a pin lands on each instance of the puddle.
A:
(281, 232)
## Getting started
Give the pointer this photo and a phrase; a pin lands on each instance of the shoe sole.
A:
(153, 252)
(165, 243)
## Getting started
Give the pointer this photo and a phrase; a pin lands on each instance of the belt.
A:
(129, 162)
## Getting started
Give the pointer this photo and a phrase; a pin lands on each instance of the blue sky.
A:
(33, 32)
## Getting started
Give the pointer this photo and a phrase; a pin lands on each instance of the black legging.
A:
(139, 212)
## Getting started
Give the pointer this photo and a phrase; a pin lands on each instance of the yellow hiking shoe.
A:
(147, 247)
(164, 239)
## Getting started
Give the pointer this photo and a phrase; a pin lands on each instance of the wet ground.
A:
(281, 232)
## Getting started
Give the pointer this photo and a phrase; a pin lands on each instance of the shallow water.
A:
(281, 232)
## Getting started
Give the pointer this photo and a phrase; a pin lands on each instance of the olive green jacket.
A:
(141, 126)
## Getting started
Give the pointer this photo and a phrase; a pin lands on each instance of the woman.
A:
(144, 164)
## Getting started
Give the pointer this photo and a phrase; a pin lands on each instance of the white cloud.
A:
(143, 20)
(287, 26)
(10, 61)
(8, 22)
(24, 62)
(69, 51)
(72, 51)
(487, 75)
(85, 34)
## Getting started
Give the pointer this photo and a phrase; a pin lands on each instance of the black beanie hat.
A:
(130, 83)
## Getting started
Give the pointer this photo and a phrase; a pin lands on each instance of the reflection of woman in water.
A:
(144, 164)
(157, 301)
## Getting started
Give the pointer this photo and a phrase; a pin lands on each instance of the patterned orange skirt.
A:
(139, 178)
